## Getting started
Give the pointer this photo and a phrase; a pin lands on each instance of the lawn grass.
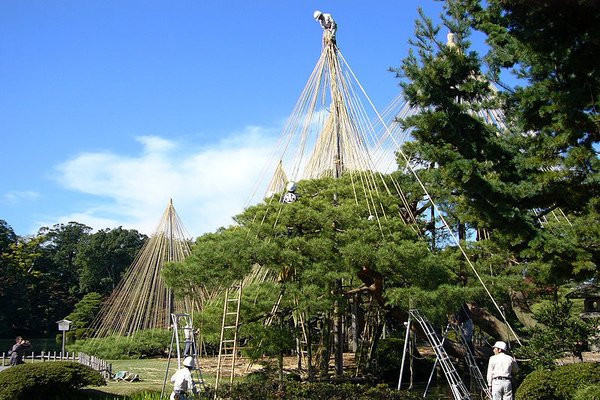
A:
(152, 376)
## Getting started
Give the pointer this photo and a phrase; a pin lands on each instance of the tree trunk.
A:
(520, 306)
(489, 324)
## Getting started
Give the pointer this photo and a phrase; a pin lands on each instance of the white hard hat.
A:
(317, 14)
(189, 362)
(500, 345)
(291, 186)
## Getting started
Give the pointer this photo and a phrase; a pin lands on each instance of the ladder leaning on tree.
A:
(228, 346)
(472, 363)
(458, 388)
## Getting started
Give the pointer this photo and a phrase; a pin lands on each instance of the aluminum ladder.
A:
(474, 370)
(458, 388)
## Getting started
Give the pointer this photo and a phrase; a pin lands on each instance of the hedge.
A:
(317, 390)
(591, 392)
(55, 379)
(560, 383)
(143, 344)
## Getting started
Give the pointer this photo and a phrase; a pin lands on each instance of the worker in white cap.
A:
(182, 380)
(500, 370)
(328, 25)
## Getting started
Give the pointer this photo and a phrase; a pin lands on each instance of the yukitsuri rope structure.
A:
(278, 182)
(141, 300)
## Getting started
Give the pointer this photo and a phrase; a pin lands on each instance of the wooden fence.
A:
(100, 365)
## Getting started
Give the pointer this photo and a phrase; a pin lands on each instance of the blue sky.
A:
(110, 108)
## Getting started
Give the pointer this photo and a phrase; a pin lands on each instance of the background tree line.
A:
(43, 276)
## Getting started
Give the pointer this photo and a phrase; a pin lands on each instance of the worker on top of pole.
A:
(328, 25)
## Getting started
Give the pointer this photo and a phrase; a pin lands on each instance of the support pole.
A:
(404, 352)
(339, 332)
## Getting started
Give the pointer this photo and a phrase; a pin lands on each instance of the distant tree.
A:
(11, 278)
(42, 278)
(7, 236)
(85, 310)
(102, 257)
(21, 273)
(55, 291)
(561, 333)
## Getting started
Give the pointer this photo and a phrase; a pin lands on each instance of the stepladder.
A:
(228, 343)
(183, 345)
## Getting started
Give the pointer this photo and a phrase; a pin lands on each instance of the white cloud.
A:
(208, 185)
(16, 196)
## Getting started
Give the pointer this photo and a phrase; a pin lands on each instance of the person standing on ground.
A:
(183, 382)
(499, 374)
(19, 348)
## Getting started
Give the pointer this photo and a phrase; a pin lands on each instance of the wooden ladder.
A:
(228, 346)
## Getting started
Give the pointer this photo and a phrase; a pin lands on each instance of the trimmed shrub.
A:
(591, 392)
(536, 386)
(560, 383)
(143, 344)
(317, 390)
(46, 380)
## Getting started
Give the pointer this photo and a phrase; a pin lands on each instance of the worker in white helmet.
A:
(501, 367)
(328, 24)
(182, 381)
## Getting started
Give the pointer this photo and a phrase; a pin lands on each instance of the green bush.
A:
(536, 386)
(560, 383)
(143, 344)
(591, 392)
(46, 380)
(290, 390)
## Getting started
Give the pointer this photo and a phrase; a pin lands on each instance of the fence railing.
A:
(100, 365)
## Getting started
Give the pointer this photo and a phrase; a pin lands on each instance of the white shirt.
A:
(182, 380)
(500, 365)
(328, 23)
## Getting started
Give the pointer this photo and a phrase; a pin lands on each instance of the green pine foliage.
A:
(85, 311)
(561, 333)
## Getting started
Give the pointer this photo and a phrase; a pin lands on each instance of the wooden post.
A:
(339, 331)
(354, 329)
